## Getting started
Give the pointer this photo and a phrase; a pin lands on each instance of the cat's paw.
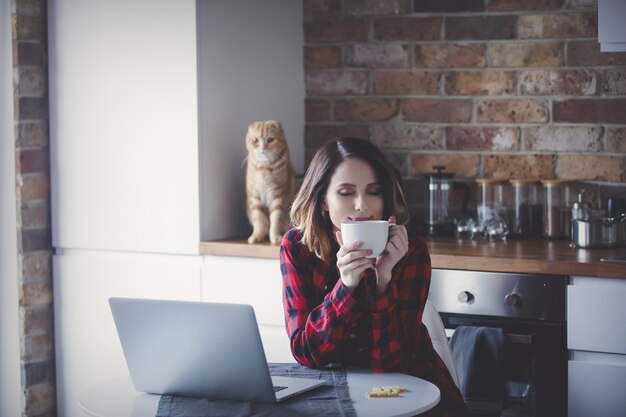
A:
(255, 239)
(276, 239)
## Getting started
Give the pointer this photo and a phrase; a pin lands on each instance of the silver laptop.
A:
(199, 349)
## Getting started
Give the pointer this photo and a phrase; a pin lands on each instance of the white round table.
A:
(118, 398)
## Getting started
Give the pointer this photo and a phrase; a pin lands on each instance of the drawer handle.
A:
(514, 338)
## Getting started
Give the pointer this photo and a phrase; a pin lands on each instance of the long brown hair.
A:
(306, 210)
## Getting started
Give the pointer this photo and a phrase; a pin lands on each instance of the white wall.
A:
(125, 153)
(10, 392)
(250, 68)
(124, 125)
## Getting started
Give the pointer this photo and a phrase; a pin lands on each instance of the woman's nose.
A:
(360, 203)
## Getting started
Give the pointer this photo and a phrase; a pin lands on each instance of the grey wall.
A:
(250, 67)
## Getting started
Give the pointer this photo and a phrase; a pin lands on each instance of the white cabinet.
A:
(87, 348)
(611, 28)
(124, 125)
(596, 388)
(256, 282)
(596, 339)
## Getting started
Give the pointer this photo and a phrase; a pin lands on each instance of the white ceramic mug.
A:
(373, 234)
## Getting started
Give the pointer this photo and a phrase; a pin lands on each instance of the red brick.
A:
(437, 110)
(581, 4)
(407, 29)
(37, 347)
(30, 161)
(333, 83)
(40, 400)
(406, 82)
(322, 57)
(480, 83)
(448, 6)
(463, 165)
(30, 7)
(36, 373)
(517, 5)
(593, 168)
(35, 266)
(480, 28)
(482, 138)
(590, 111)
(534, 54)
(32, 134)
(407, 136)
(321, 7)
(587, 54)
(30, 53)
(33, 187)
(32, 81)
(316, 110)
(366, 109)
(614, 82)
(399, 160)
(558, 25)
(558, 82)
(445, 55)
(616, 139)
(375, 7)
(33, 214)
(519, 166)
(30, 108)
(377, 55)
(35, 294)
(37, 320)
(31, 240)
(29, 27)
(553, 138)
(316, 136)
(336, 30)
(512, 111)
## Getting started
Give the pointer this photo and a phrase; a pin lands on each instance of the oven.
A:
(531, 311)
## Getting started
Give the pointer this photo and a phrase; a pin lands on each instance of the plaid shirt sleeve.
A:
(397, 313)
(316, 329)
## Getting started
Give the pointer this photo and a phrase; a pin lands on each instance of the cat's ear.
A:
(275, 123)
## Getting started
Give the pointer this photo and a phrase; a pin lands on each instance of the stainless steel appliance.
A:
(531, 309)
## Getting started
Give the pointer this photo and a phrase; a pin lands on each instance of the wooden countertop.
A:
(537, 256)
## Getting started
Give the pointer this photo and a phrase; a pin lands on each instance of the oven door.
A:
(534, 367)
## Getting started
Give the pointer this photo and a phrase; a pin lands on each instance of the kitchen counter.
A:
(536, 256)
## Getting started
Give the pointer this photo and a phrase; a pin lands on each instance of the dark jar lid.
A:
(439, 175)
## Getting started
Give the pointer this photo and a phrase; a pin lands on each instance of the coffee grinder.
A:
(440, 186)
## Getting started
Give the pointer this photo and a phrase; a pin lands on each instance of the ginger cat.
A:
(270, 181)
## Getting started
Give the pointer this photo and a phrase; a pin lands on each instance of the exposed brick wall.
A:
(30, 68)
(489, 88)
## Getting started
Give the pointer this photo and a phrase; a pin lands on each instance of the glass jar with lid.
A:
(526, 211)
(557, 213)
(491, 208)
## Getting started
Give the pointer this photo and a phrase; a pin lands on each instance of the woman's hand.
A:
(397, 247)
(352, 262)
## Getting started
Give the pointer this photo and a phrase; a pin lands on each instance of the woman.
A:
(342, 308)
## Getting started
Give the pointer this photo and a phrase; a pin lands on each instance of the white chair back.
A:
(437, 331)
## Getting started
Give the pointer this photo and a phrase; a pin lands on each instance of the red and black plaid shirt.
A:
(327, 325)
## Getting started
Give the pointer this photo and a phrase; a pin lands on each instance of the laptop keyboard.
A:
(278, 388)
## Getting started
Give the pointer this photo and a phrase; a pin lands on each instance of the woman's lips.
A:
(359, 219)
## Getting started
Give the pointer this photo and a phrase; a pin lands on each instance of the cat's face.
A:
(265, 140)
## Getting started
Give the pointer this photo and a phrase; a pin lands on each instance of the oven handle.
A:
(514, 338)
